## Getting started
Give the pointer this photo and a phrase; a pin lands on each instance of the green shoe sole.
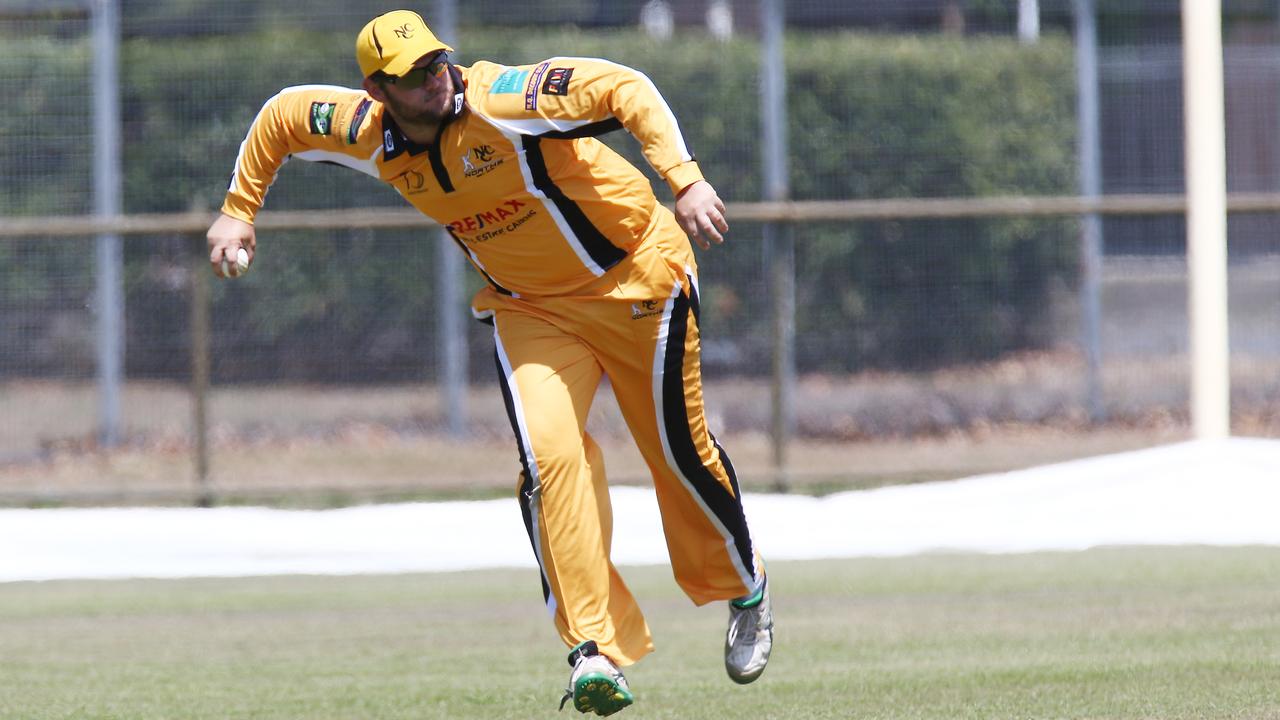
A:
(597, 693)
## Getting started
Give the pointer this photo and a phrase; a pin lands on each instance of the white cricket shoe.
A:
(596, 685)
(750, 637)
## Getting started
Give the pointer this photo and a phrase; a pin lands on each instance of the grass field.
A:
(1111, 633)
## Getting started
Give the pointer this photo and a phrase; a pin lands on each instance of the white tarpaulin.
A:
(1213, 493)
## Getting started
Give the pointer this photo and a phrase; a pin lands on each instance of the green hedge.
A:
(870, 116)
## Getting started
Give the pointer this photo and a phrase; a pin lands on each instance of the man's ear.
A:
(374, 89)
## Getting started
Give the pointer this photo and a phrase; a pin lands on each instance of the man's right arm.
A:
(313, 122)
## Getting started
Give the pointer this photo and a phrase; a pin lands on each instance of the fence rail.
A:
(811, 210)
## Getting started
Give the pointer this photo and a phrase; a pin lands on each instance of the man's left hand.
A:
(701, 213)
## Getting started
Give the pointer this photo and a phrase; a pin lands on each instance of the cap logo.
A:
(404, 32)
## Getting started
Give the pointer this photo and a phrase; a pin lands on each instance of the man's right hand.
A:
(701, 214)
(227, 235)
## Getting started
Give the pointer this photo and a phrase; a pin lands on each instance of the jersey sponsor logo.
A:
(353, 131)
(479, 160)
(510, 82)
(646, 308)
(557, 82)
(496, 216)
(322, 117)
(411, 182)
(531, 92)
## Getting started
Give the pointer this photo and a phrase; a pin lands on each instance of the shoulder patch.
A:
(531, 91)
(322, 117)
(557, 82)
(511, 81)
(353, 130)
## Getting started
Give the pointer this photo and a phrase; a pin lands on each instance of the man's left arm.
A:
(597, 91)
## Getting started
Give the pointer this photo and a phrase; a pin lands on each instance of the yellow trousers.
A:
(640, 328)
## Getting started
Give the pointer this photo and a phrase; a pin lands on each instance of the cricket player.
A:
(587, 275)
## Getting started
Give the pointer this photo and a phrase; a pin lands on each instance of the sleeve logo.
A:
(353, 131)
(557, 82)
(322, 117)
(510, 82)
(531, 91)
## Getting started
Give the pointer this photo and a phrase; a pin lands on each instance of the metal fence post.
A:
(109, 275)
(779, 254)
(1090, 155)
(201, 302)
(1029, 21)
(451, 337)
(779, 246)
(1206, 173)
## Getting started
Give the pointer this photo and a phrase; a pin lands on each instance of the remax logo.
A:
(471, 223)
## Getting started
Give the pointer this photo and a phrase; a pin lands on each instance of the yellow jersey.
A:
(516, 175)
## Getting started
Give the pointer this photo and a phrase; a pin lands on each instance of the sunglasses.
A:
(418, 76)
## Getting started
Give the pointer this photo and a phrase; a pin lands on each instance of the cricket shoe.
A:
(750, 637)
(596, 685)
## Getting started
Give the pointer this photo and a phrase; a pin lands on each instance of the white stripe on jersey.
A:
(659, 377)
(368, 166)
(561, 223)
(535, 126)
(531, 462)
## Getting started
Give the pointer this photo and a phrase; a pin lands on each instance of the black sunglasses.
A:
(417, 76)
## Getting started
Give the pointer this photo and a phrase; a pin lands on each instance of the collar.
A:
(396, 143)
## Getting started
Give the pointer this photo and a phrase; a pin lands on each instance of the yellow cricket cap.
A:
(395, 41)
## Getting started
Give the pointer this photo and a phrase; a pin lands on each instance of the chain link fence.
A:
(323, 361)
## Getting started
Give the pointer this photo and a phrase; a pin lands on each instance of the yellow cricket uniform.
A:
(588, 275)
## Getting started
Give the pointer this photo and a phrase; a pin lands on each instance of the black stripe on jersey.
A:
(604, 253)
(526, 510)
(728, 468)
(463, 247)
(437, 166)
(693, 302)
(675, 418)
(589, 130)
(526, 478)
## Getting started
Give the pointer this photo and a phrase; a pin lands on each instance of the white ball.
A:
(242, 264)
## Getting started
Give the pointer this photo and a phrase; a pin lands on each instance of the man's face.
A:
(424, 94)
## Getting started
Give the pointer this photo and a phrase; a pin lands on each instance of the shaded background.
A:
(907, 331)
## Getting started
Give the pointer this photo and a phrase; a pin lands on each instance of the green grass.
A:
(1115, 633)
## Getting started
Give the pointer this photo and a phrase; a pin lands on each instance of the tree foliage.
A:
(870, 116)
